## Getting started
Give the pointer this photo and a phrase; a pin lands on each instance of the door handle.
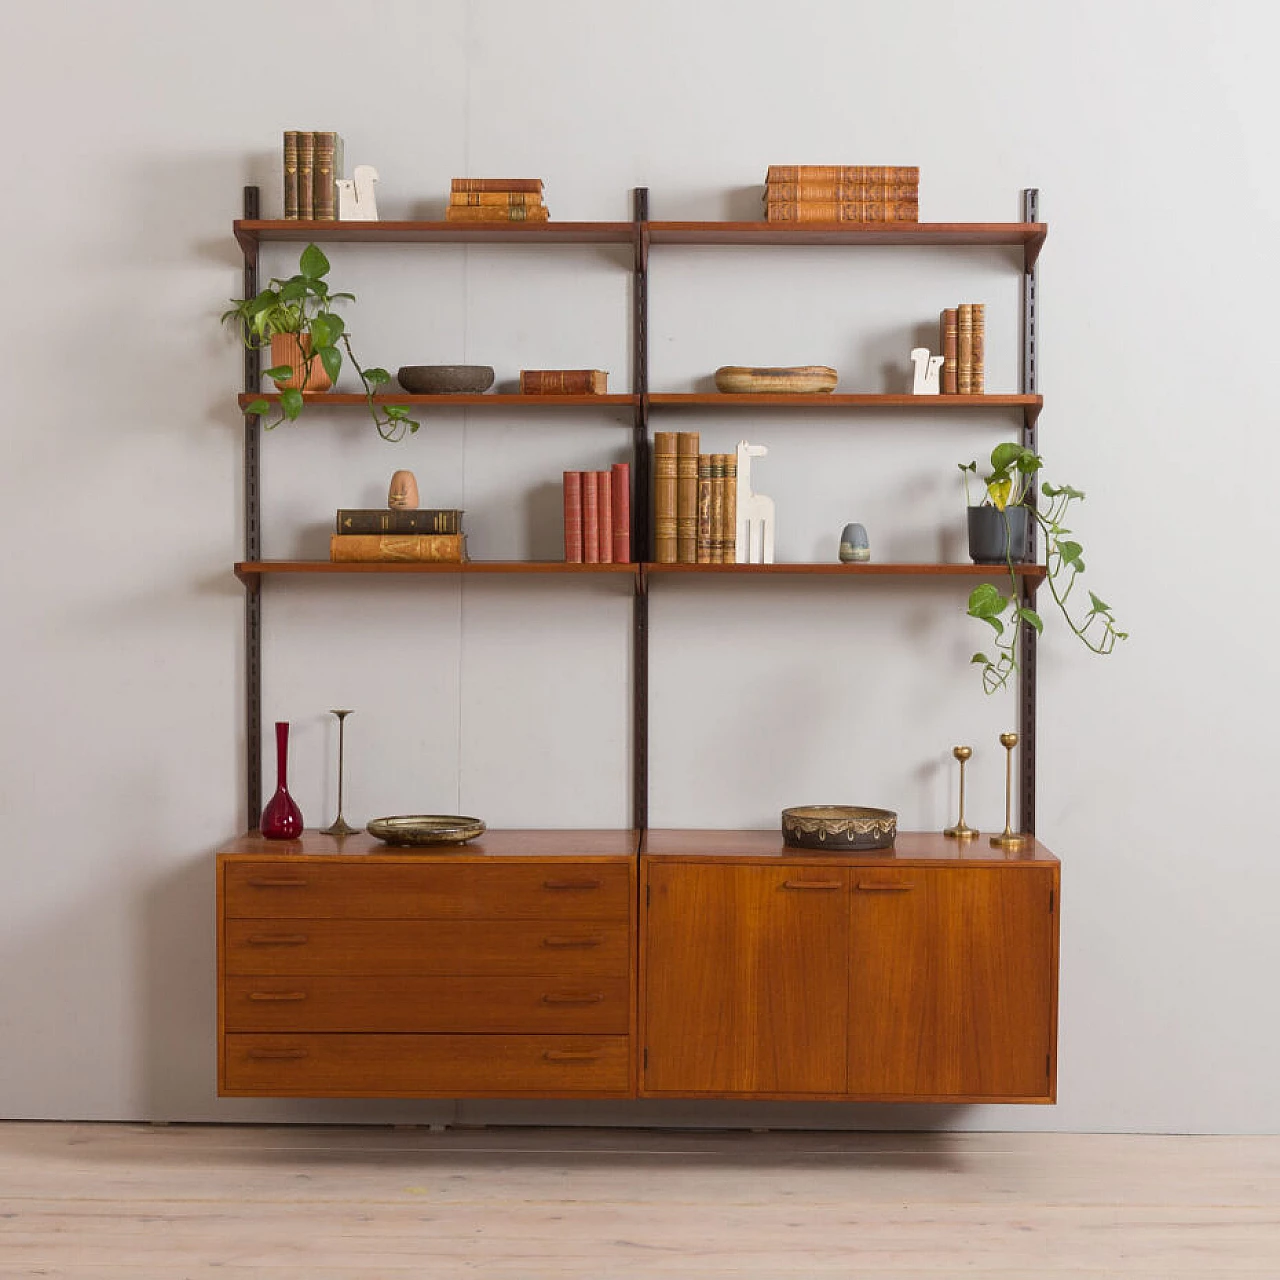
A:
(881, 886)
(811, 884)
(277, 939)
(563, 944)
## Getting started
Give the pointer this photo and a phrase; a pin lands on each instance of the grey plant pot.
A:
(998, 536)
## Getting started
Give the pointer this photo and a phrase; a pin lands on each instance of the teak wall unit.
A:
(638, 963)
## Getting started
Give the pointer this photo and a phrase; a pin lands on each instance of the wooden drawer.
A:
(462, 891)
(425, 1004)
(421, 947)
(406, 1066)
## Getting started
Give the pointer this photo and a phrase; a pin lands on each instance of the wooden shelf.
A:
(251, 233)
(346, 399)
(831, 401)
(1034, 573)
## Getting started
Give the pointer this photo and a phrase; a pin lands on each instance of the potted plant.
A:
(296, 320)
(1000, 525)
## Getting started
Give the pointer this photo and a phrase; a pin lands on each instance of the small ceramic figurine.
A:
(754, 535)
(403, 493)
(854, 546)
(355, 195)
(927, 370)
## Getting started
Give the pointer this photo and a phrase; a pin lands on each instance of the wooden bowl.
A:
(445, 379)
(796, 380)
(839, 827)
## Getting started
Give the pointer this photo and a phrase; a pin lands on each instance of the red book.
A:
(573, 517)
(590, 519)
(604, 515)
(620, 477)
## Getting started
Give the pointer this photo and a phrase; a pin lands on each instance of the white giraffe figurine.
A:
(754, 536)
(356, 202)
(927, 370)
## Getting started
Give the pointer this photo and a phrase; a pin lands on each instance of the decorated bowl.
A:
(839, 827)
(423, 829)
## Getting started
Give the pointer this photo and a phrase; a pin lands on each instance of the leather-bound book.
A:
(590, 519)
(842, 211)
(964, 348)
(306, 164)
(496, 184)
(841, 191)
(603, 481)
(687, 497)
(844, 173)
(703, 550)
(573, 517)
(496, 213)
(291, 173)
(717, 508)
(730, 545)
(978, 354)
(326, 170)
(665, 547)
(495, 199)
(356, 547)
(564, 382)
(947, 378)
(385, 520)
(620, 479)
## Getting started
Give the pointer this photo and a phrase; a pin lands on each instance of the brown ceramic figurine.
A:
(403, 493)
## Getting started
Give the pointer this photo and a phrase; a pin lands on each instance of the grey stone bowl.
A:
(445, 379)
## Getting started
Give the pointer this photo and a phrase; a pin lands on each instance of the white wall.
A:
(131, 129)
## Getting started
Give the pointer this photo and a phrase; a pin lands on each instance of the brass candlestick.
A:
(962, 830)
(340, 826)
(1008, 838)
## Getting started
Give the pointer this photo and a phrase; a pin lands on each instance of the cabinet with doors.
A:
(683, 963)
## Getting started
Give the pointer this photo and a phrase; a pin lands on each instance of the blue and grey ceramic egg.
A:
(854, 546)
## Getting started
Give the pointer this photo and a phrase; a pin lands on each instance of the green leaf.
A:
(376, 375)
(259, 407)
(313, 264)
(1098, 605)
(279, 373)
(291, 403)
(1070, 552)
(985, 601)
(982, 658)
(1007, 455)
(1033, 618)
(331, 358)
(322, 334)
(968, 466)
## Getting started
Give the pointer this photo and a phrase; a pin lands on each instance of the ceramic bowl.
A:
(839, 827)
(445, 379)
(798, 380)
(422, 829)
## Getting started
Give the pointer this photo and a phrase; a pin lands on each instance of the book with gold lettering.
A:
(665, 544)
(947, 379)
(355, 547)
(564, 382)
(687, 497)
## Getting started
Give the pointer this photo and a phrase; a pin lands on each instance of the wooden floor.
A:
(133, 1202)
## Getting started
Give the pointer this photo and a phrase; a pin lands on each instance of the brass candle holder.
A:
(962, 830)
(1008, 838)
(340, 826)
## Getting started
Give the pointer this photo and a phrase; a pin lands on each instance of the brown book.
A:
(573, 517)
(564, 382)
(352, 547)
(687, 497)
(496, 213)
(729, 552)
(841, 191)
(604, 515)
(964, 349)
(326, 170)
(947, 378)
(717, 508)
(495, 199)
(384, 520)
(620, 477)
(665, 546)
(703, 549)
(842, 211)
(843, 173)
(977, 358)
(590, 519)
(306, 163)
(290, 173)
(495, 184)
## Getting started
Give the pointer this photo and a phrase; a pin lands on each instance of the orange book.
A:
(843, 173)
(495, 199)
(703, 549)
(665, 546)
(728, 554)
(620, 476)
(495, 184)
(841, 191)
(978, 352)
(687, 497)
(573, 517)
(496, 213)
(564, 382)
(354, 547)
(604, 515)
(964, 349)
(947, 378)
(842, 211)
(590, 519)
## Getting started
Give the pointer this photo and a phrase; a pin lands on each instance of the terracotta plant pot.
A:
(294, 349)
(995, 536)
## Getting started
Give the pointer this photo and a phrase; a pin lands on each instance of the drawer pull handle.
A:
(277, 995)
(563, 944)
(811, 884)
(569, 1055)
(276, 882)
(570, 997)
(874, 886)
(277, 1055)
(277, 939)
(570, 885)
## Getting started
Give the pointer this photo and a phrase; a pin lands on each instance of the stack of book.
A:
(378, 533)
(496, 200)
(842, 193)
(564, 382)
(597, 516)
(695, 501)
(312, 167)
(964, 342)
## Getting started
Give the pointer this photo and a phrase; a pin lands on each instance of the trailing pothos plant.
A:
(1011, 484)
(303, 305)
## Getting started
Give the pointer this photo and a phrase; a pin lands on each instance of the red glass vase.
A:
(281, 819)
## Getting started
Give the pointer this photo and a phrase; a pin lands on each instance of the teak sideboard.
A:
(639, 963)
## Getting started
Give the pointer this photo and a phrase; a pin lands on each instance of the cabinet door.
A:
(746, 979)
(951, 982)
